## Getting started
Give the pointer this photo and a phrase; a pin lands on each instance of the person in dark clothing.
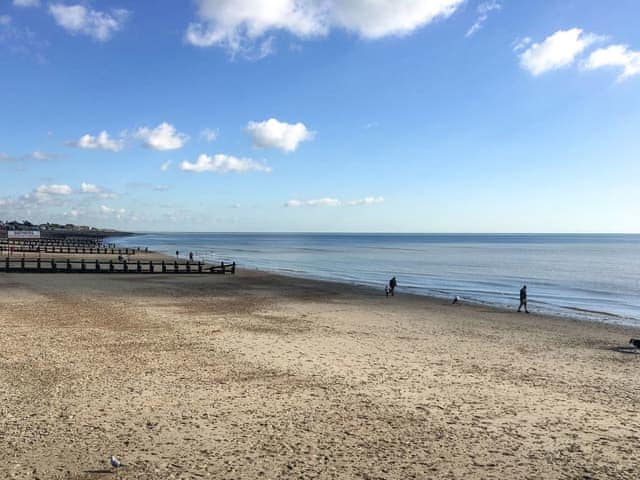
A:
(393, 283)
(523, 299)
(191, 256)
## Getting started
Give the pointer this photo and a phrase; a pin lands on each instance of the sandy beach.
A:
(262, 376)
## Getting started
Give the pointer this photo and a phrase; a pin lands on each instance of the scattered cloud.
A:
(89, 188)
(47, 193)
(281, 135)
(319, 202)
(20, 40)
(366, 201)
(102, 141)
(163, 137)
(521, 43)
(241, 26)
(334, 202)
(5, 157)
(484, 9)
(38, 155)
(78, 19)
(26, 3)
(160, 188)
(165, 165)
(221, 163)
(109, 211)
(615, 56)
(558, 50)
(209, 134)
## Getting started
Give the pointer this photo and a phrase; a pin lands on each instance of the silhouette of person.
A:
(393, 283)
(523, 299)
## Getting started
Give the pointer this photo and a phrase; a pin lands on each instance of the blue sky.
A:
(290, 115)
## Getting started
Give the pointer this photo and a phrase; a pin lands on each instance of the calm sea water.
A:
(583, 276)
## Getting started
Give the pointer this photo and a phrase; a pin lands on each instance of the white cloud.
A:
(209, 134)
(281, 135)
(94, 190)
(484, 9)
(334, 202)
(521, 43)
(100, 142)
(556, 51)
(615, 56)
(78, 19)
(117, 212)
(26, 3)
(5, 157)
(46, 193)
(390, 17)
(163, 137)
(38, 155)
(318, 202)
(221, 163)
(54, 189)
(5, 20)
(89, 188)
(165, 165)
(366, 201)
(238, 25)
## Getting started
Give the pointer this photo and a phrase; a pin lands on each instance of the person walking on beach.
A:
(523, 299)
(393, 283)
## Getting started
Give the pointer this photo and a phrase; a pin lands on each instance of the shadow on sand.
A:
(625, 350)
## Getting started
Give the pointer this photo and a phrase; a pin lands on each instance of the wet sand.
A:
(262, 376)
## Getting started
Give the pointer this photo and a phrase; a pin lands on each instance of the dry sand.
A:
(261, 376)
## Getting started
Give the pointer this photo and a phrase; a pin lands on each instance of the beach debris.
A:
(635, 342)
(115, 463)
(456, 299)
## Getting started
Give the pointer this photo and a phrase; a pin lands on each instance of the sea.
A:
(582, 276)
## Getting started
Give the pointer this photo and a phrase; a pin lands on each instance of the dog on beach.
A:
(635, 342)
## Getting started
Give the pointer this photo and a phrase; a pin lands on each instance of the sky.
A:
(322, 115)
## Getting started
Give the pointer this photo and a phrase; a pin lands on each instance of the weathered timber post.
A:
(164, 267)
(68, 265)
(97, 265)
(53, 265)
(139, 266)
(199, 267)
(233, 268)
(83, 266)
(125, 266)
(6, 264)
(175, 266)
(111, 266)
(38, 266)
(188, 266)
(150, 266)
(22, 263)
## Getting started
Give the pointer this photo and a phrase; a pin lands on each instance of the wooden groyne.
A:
(53, 265)
(111, 250)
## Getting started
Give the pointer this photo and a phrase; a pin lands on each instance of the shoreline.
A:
(588, 316)
(588, 304)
